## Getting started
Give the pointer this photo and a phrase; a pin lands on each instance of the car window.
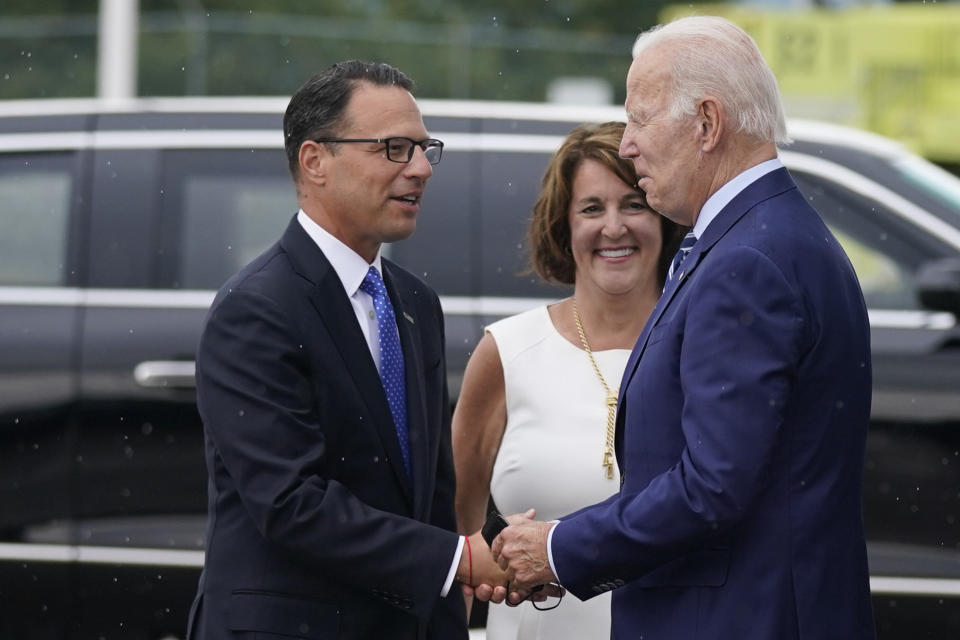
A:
(885, 250)
(222, 208)
(228, 222)
(942, 186)
(35, 191)
(443, 250)
(510, 185)
(885, 284)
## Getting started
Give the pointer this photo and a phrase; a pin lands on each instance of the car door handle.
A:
(167, 374)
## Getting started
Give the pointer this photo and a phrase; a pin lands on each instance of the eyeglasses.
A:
(400, 149)
(537, 605)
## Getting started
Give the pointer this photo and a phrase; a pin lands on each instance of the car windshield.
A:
(942, 185)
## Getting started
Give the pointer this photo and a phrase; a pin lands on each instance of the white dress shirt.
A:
(351, 268)
(729, 191)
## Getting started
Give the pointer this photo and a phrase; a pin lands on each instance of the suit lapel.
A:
(331, 303)
(767, 186)
(413, 372)
(689, 263)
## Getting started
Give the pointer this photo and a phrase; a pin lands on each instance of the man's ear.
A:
(711, 123)
(314, 158)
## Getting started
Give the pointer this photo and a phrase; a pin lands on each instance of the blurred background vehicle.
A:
(120, 221)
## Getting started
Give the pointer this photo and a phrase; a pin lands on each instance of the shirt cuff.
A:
(453, 568)
(553, 567)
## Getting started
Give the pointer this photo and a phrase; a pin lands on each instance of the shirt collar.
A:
(350, 267)
(715, 203)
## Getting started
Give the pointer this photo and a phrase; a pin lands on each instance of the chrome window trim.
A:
(105, 298)
(245, 138)
(799, 128)
(864, 186)
(88, 554)
(493, 306)
(890, 585)
(92, 106)
(154, 139)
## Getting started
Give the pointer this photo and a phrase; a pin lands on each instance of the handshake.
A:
(507, 560)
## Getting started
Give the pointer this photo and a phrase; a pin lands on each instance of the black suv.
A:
(120, 221)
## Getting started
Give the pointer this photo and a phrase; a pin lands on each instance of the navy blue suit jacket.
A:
(740, 435)
(315, 529)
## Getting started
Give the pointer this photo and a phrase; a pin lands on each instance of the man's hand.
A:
(495, 590)
(521, 551)
(477, 568)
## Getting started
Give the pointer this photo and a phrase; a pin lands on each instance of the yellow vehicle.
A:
(894, 70)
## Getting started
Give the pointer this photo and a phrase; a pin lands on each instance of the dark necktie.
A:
(391, 358)
(688, 241)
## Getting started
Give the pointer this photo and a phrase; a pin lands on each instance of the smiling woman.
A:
(539, 392)
(615, 237)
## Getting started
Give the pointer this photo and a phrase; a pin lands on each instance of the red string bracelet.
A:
(469, 559)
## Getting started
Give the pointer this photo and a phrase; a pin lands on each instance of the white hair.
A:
(711, 56)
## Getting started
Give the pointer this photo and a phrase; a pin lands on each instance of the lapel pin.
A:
(408, 317)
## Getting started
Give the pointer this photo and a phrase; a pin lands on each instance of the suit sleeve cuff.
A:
(553, 567)
(453, 568)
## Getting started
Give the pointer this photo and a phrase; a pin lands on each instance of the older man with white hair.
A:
(744, 407)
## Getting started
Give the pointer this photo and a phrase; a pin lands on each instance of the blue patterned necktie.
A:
(391, 358)
(688, 241)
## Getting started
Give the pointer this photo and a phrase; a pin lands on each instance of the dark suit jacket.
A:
(740, 434)
(315, 530)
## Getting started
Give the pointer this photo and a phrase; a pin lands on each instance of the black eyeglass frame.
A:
(536, 605)
(426, 143)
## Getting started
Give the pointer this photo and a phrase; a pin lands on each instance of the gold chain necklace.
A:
(611, 395)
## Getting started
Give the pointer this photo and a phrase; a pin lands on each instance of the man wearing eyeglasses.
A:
(321, 382)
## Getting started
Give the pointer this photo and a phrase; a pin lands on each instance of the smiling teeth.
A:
(615, 253)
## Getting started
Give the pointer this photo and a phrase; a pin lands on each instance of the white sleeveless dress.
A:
(551, 456)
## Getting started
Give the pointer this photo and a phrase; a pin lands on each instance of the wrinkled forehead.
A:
(648, 83)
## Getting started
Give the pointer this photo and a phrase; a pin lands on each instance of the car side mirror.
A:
(938, 285)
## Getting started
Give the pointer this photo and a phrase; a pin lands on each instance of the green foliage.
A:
(492, 49)
(47, 68)
(48, 7)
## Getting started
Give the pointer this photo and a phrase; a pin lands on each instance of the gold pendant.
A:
(608, 464)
